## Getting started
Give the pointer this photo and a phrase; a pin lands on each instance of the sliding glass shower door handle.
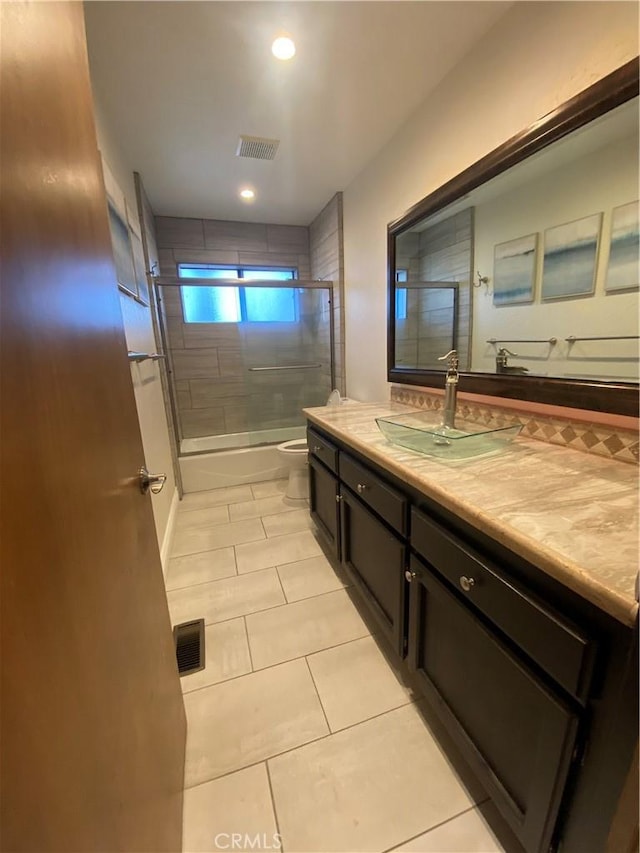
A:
(285, 367)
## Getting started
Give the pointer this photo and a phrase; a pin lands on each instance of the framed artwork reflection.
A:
(570, 256)
(623, 268)
(514, 270)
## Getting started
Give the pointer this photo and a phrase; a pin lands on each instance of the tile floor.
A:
(302, 735)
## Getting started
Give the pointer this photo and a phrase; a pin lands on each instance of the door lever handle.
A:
(155, 482)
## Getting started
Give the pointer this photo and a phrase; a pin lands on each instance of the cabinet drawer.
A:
(389, 504)
(560, 648)
(323, 449)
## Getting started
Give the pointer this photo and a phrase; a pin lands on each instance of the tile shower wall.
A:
(597, 438)
(212, 392)
(214, 241)
(327, 264)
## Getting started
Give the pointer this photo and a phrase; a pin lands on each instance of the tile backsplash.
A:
(597, 438)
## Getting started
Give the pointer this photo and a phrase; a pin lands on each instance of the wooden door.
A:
(93, 724)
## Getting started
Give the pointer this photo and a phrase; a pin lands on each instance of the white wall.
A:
(536, 57)
(139, 334)
(594, 183)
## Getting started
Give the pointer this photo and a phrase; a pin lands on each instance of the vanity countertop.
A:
(573, 515)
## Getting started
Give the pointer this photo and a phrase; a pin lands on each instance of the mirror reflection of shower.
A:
(246, 355)
(426, 322)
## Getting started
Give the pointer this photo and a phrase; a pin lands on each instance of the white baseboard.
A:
(168, 532)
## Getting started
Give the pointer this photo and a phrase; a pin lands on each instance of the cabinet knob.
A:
(338, 498)
(316, 448)
(409, 576)
(361, 487)
(466, 583)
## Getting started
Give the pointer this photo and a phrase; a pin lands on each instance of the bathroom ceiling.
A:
(178, 82)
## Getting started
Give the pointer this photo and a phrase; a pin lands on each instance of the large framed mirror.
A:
(527, 263)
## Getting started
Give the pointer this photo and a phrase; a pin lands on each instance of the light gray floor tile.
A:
(244, 721)
(226, 655)
(238, 803)
(201, 568)
(215, 497)
(225, 599)
(313, 576)
(269, 488)
(202, 517)
(304, 627)
(288, 522)
(276, 551)
(467, 833)
(263, 506)
(195, 539)
(356, 682)
(366, 788)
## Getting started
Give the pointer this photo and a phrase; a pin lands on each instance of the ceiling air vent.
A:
(257, 147)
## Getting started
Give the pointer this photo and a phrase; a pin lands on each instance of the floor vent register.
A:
(189, 642)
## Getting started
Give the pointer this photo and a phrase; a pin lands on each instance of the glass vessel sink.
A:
(424, 432)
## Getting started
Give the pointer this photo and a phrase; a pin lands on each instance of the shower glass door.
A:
(288, 361)
(246, 356)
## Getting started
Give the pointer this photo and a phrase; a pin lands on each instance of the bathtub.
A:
(215, 461)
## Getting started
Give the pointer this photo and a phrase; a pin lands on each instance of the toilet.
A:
(293, 455)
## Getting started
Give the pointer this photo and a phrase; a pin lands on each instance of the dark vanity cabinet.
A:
(537, 688)
(483, 649)
(364, 522)
(515, 732)
(374, 552)
(324, 489)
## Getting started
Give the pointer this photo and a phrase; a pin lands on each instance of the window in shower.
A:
(401, 295)
(228, 304)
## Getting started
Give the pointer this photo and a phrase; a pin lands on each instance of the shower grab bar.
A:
(572, 338)
(286, 367)
(144, 356)
(551, 341)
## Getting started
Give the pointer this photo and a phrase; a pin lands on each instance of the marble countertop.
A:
(572, 515)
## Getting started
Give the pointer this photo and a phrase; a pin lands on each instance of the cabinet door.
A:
(516, 734)
(324, 503)
(375, 559)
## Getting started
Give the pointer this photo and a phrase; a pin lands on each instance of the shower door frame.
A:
(173, 281)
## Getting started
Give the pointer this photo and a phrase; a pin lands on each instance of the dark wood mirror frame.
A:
(620, 398)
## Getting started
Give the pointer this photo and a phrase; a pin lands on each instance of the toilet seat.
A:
(296, 445)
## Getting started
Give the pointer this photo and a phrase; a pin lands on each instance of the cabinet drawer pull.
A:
(316, 448)
(409, 576)
(361, 487)
(466, 583)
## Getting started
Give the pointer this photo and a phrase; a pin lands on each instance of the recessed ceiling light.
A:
(283, 48)
(247, 194)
